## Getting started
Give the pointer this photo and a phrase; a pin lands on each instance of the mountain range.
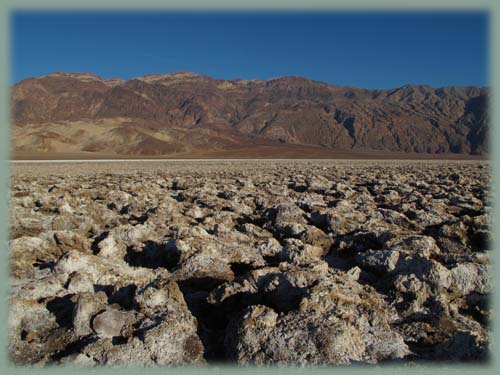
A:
(186, 114)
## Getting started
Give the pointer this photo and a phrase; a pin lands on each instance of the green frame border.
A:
(7, 6)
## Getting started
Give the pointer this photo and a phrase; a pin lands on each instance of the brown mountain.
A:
(185, 113)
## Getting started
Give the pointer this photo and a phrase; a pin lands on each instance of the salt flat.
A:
(249, 261)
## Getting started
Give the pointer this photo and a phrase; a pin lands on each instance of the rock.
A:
(344, 218)
(110, 323)
(87, 306)
(287, 262)
(318, 184)
(65, 209)
(383, 261)
(110, 249)
(354, 273)
(295, 251)
(68, 240)
(256, 231)
(270, 248)
(289, 220)
(314, 236)
(336, 333)
(171, 342)
(423, 245)
(42, 287)
(80, 282)
(29, 328)
(160, 296)
(26, 254)
(470, 277)
(195, 213)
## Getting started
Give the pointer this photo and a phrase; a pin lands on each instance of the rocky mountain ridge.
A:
(184, 112)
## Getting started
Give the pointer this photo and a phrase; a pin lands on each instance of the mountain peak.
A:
(190, 110)
(168, 76)
(76, 75)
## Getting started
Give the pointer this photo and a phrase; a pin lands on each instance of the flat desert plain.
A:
(290, 262)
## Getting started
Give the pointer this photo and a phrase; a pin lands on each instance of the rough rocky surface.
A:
(190, 114)
(253, 262)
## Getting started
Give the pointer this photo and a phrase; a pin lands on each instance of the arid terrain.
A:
(183, 115)
(287, 262)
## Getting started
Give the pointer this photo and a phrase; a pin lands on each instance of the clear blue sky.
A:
(370, 50)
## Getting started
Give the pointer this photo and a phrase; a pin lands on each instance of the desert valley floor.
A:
(250, 262)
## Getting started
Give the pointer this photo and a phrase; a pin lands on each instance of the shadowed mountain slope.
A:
(182, 113)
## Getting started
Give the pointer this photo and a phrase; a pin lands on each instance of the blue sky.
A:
(369, 50)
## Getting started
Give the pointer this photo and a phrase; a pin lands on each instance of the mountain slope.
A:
(168, 114)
